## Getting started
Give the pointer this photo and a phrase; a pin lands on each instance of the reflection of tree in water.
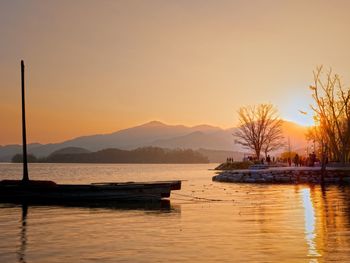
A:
(22, 249)
(346, 201)
(331, 207)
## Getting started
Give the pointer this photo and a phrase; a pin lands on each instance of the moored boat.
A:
(30, 191)
(16, 191)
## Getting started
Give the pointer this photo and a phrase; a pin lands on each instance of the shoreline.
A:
(286, 175)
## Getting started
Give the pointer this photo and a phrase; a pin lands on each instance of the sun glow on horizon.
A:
(95, 68)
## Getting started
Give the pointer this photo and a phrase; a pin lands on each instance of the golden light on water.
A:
(310, 225)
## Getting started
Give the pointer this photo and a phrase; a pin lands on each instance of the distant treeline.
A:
(140, 155)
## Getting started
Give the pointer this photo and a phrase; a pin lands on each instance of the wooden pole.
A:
(324, 156)
(24, 136)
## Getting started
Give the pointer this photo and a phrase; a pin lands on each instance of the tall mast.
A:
(24, 136)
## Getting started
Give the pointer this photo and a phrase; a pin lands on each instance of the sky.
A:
(100, 66)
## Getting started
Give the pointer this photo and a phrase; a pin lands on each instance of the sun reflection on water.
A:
(310, 225)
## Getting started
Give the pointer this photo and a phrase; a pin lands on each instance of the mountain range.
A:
(214, 142)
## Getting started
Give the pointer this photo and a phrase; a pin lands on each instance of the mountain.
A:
(222, 139)
(218, 140)
(296, 135)
(156, 134)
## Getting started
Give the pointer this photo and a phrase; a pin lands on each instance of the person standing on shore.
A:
(268, 159)
(296, 160)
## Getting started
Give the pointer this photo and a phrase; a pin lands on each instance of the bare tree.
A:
(332, 114)
(260, 129)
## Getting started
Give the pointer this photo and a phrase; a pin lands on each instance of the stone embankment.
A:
(285, 175)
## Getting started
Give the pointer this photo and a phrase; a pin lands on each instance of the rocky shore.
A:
(285, 175)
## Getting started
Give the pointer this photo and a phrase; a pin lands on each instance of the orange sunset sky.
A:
(100, 66)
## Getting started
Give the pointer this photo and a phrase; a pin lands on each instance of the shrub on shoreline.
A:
(234, 166)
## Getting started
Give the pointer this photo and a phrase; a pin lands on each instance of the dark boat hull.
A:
(12, 191)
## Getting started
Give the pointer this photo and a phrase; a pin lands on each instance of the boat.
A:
(36, 191)
(50, 192)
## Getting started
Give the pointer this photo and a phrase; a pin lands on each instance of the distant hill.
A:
(70, 150)
(155, 134)
(8, 151)
(140, 155)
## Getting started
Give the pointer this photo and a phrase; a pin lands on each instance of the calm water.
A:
(205, 222)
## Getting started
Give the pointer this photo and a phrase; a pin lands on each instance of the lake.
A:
(204, 222)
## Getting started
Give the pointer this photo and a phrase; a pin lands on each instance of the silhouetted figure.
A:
(289, 161)
(312, 159)
(296, 160)
(268, 159)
